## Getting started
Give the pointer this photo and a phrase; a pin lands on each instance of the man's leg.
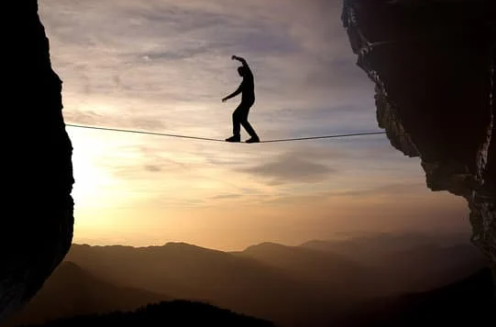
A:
(236, 120)
(249, 129)
(247, 126)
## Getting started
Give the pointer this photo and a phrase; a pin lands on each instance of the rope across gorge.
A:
(218, 140)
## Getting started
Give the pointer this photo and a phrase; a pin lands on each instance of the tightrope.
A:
(217, 140)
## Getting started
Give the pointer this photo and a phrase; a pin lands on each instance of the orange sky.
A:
(163, 66)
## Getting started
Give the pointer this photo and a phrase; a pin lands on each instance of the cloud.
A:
(292, 167)
(388, 190)
(91, 118)
(153, 168)
(227, 197)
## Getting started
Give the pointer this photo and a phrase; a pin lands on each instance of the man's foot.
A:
(234, 139)
(253, 140)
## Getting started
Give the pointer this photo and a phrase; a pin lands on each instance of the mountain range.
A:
(308, 285)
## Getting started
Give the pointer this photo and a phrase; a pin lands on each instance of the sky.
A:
(163, 66)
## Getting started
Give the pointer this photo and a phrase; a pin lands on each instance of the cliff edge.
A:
(37, 223)
(433, 65)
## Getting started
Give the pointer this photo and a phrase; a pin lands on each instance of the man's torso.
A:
(248, 89)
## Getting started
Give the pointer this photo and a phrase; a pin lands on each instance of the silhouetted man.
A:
(240, 115)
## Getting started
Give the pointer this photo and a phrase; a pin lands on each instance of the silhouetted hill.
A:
(332, 275)
(170, 314)
(189, 272)
(408, 264)
(370, 247)
(72, 291)
(469, 302)
(291, 286)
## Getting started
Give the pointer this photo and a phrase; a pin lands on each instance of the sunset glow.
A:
(163, 66)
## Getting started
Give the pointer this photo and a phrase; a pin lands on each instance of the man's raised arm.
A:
(243, 61)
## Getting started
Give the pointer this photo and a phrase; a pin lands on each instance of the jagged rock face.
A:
(433, 63)
(37, 222)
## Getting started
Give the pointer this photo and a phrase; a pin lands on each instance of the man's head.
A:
(241, 71)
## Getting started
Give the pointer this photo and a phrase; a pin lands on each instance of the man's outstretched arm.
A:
(232, 95)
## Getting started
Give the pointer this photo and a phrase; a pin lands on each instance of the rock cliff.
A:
(37, 221)
(433, 63)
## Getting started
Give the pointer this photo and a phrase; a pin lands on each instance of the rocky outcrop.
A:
(433, 63)
(37, 208)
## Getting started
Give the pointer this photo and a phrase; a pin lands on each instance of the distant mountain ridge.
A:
(292, 286)
(413, 264)
(71, 291)
(185, 271)
(327, 272)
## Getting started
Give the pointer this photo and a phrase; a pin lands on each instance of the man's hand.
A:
(224, 100)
